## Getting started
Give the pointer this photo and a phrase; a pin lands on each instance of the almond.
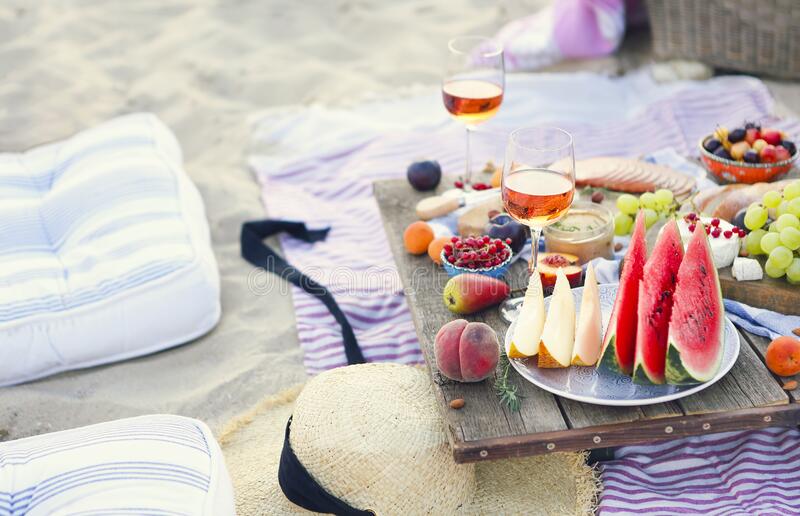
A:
(788, 386)
(796, 331)
(459, 403)
(617, 247)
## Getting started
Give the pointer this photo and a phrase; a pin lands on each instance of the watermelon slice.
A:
(655, 305)
(619, 343)
(694, 344)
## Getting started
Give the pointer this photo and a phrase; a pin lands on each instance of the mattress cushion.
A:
(104, 251)
(159, 465)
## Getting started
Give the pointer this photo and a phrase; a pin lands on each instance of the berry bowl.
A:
(733, 171)
(478, 255)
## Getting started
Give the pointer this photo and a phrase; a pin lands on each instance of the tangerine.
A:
(435, 248)
(417, 236)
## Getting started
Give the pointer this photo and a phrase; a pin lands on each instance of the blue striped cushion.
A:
(104, 251)
(156, 465)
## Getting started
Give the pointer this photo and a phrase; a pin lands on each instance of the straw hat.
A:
(371, 435)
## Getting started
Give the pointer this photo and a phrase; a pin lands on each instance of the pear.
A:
(530, 322)
(558, 335)
(588, 336)
(469, 293)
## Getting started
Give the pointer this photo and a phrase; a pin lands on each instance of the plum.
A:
(466, 351)
(737, 135)
(721, 152)
(789, 146)
(424, 175)
(712, 144)
(502, 226)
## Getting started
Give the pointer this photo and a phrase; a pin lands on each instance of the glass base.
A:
(509, 309)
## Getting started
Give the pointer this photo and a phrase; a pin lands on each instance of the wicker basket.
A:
(756, 36)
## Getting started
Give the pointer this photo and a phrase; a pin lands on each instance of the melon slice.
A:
(696, 327)
(656, 291)
(558, 335)
(588, 335)
(619, 343)
(530, 322)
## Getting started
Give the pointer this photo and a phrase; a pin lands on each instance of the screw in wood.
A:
(551, 446)
(668, 429)
(596, 439)
(484, 454)
(706, 426)
(767, 419)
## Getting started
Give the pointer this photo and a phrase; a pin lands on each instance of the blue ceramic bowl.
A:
(494, 272)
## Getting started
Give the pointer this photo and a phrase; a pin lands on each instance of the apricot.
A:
(435, 248)
(783, 356)
(466, 351)
(417, 236)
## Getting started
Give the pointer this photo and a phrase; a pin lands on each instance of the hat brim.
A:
(559, 483)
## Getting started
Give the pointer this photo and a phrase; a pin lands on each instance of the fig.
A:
(502, 226)
(424, 175)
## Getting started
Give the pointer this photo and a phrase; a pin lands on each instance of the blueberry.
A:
(789, 146)
(711, 144)
(738, 219)
(751, 156)
(424, 175)
(722, 153)
(737, 135)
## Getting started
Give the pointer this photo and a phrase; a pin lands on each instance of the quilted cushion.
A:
(104, 251)
(155, 465)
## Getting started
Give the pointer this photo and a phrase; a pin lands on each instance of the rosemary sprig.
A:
(506, 391)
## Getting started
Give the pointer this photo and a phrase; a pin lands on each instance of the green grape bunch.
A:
(656, 205)
(780, 241)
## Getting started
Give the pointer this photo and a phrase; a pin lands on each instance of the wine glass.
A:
(538, 185)
(472, 89)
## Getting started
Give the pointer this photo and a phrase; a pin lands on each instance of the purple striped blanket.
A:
(319, 165)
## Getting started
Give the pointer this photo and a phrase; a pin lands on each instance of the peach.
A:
(783, 356)
(466, 351)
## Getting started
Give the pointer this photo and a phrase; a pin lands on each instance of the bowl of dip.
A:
(586, 231)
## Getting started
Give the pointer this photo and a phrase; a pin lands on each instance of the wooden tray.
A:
(748, 397)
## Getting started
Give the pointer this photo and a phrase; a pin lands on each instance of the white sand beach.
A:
(204, 67)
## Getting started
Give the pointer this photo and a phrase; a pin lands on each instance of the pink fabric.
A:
(588, 28)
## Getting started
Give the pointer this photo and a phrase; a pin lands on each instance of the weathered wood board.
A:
(774, 294)
(748, 397)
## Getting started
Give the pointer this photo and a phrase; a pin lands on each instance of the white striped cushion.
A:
(159, 465)
(104, 251)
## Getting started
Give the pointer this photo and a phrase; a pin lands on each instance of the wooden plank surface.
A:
(773, 294)
(760, 344)
(483, 416)
(748, 397)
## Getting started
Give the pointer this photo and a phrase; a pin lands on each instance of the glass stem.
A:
(535, 234)
(468, 171)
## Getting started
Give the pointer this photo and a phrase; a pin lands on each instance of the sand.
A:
(205, 68)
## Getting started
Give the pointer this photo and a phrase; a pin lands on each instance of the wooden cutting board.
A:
(773, 294)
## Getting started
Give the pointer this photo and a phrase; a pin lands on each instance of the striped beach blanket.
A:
(158, 465)
(318, 166)
(731, 474)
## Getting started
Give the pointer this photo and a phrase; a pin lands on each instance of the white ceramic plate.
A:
(589, 385)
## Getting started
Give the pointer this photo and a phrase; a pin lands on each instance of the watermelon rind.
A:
(640, 375)
(697, 261)
(608, 359)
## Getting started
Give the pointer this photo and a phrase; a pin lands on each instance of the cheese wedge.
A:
(558, 335)
(588, 335)
(530, 322)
